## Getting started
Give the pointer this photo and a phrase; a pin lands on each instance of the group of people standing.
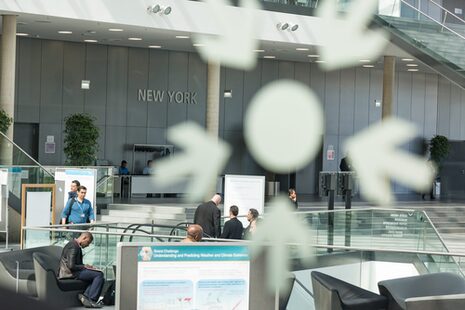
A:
(208, 217)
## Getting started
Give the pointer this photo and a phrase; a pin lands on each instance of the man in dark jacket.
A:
(233, 228)
(208, 215)
(71, 266)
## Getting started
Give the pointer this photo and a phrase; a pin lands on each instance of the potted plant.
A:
(439, 149)
(5, 121)
(81, 136)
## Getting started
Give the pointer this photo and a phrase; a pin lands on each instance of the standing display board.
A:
(37, 209)
(246, 192)
(64, 178)
(184, 276)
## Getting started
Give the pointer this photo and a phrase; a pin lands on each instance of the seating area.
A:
(426, 292)
(17, 268)
(33, 272)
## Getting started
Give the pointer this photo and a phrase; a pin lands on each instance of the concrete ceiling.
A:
(46, 27)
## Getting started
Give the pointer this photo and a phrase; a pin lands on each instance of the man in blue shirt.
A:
(78, 210)
(74, 186)
(123, 170)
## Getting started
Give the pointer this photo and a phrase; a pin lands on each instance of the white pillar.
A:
(213, 99)
(7, 80)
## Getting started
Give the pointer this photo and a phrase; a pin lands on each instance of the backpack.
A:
(109, 296)
(70, 209)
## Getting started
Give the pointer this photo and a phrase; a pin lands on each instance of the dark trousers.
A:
(95, 280)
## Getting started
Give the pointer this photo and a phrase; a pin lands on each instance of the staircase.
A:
(437, 44)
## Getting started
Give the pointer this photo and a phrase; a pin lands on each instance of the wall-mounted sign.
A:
(50, 145)
(172, 96)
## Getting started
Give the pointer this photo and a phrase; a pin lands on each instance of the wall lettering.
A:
(156, 95)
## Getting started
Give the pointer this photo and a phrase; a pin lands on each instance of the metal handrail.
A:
(447, 11)
(429, 17)
(24, 152)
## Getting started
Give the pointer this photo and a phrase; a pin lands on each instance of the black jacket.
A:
(71, 260)
(208, 215)
(232, 229)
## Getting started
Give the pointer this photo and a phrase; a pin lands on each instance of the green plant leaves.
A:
(81, 136)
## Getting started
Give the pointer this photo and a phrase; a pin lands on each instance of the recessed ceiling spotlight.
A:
(412, 70)
(269, 57)
(135, 39)
(154, 46)
(22, 34)
(368, 66)
(407, 59)
(313, 56)
(115, 29)
(365, 60)
(65, 32)
(294, 27)
(182, 37)
(282, 26)
(258, 51)
(91, 41)
(412, 65)
(302, 49)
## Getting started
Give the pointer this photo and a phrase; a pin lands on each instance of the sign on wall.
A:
(171, 96)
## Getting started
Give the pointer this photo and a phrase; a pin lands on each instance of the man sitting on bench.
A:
(71, 266)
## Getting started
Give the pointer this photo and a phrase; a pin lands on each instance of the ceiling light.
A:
(115, 29)
(154, 46)
(135, 39)
(313, 56)
(319, 61)
(301, 49)
(294, 27)
(282, 26)
(43, 21)
(269, 57)
(407, 59)
(365, 60)
(198, 45)
(412, 70)
(368, 66)
(21, 23)
(65, 32)
(22, 34)
(91, 41)
(412, 65)
(159, 9)
(258, 51)
(182, 37)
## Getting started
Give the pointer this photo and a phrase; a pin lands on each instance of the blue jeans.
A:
(95, 280)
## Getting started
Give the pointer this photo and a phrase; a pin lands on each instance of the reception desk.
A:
(141, 185)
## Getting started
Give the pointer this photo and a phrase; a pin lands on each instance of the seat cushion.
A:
(352, 297)
(71, 285)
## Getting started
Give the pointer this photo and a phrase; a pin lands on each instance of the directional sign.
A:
(376, 156)
(346, 40)
(269, 237)
(204, 157)
(235, 45)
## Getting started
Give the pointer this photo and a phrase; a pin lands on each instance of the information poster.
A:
(246, 192)
(193, 277)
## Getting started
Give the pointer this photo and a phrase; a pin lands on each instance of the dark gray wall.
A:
(50, 74)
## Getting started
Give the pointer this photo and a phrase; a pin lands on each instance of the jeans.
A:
(95, 280)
